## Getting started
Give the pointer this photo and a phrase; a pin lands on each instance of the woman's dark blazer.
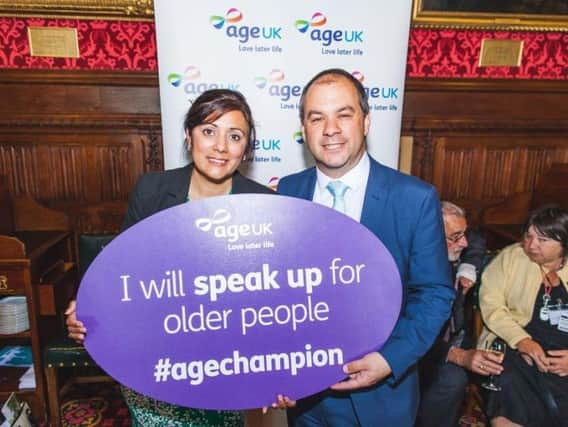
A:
(156, 191)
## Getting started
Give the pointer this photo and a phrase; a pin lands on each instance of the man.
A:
(443, 372)
(382, 388)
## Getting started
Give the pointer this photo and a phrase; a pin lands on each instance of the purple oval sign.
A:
(223, 303)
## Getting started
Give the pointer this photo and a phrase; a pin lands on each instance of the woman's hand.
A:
(558, 362)
(479, 361)
(282, 402)
(532, 349)
(75, 328)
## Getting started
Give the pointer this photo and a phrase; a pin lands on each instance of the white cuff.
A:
(468, 271)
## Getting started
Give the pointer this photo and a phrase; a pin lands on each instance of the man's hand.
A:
(558, 362)
(478, 361)
(465, 284)
(75, 328)
(466, 277)
(364, 372)
(531, 349)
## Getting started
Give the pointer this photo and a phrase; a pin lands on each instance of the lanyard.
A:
(548, 284)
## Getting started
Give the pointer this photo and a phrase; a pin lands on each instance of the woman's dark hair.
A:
(550, 221)
(331, 74)
(212, 104)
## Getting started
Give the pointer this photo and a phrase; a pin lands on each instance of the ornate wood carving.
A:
(480, 142)
(480, 170)
(79, 145)
(155, 159)
(78, 141)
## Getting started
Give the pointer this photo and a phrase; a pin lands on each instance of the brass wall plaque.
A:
(53, 42)
(500, 53)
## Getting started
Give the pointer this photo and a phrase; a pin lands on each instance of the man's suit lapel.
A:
(306, 186)
(376, 196)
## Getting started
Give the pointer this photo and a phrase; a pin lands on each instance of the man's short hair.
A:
(449, 208)
(331, 73)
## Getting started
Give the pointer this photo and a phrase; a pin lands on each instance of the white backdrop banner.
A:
(268, 51)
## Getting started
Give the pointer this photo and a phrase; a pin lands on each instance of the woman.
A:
(523, 289)
(219, 131)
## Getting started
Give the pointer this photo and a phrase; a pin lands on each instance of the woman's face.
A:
(541, 249)
(217, 148)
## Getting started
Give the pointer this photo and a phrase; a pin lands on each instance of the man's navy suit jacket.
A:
(404, 213)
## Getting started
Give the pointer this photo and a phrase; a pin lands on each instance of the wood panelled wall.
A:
(479, 142)
(78, 141)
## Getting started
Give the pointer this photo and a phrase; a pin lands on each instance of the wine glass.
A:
(498, 347)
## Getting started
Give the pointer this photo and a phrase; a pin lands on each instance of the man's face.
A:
(455, 227)
(334, 125)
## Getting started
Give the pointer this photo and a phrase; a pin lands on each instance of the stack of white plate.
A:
(13, 315)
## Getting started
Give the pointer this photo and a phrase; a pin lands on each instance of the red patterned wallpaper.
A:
(455, 54)
(131, 46)
(103, 45)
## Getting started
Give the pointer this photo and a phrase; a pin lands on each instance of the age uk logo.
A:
(192, 83)
(243, 33)
(376, 92)
(233, 232)
(190, 73)
(314, 27)
(233, 15)
(276, 86)
(318, 20)
(274, 76)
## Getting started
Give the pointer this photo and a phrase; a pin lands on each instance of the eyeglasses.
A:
(456, 237)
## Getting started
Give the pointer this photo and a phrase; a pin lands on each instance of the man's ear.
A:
(367, 123)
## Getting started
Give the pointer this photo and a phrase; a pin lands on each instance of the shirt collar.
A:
(355, 178)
